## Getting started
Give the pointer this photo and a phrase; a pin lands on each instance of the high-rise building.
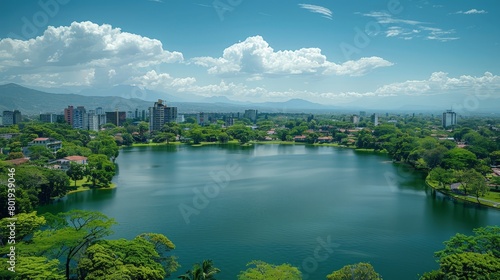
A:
(449, 118)
(48, 118)
(8, 118)
(251, 114)
(362, 113)
(68, 115)
(80, 118)
(117, 118)
(92, 121)
(161, 114)
(18, 118)
(203, 118)
(355, 119)
(374, 119)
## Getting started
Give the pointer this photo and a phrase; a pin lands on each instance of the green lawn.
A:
(494, 196)
(83, 185)
(154, 144)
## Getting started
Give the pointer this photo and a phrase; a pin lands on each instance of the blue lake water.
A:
(317, 208)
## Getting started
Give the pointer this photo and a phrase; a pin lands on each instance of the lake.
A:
(317, 208)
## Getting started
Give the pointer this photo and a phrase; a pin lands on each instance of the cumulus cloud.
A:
(439, 82)
(327, 13)
(255, 57)
(472, 12)
(161, 81)
(64, 54)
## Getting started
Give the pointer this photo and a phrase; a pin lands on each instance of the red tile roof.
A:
(18, 161)
(76, 158)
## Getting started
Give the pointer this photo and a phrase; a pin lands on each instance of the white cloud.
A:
(386, 18)
(439, 82)
(161, 81)
(472, 12)
(408, 29)
(327, 13)
(68, 51)
(255, 57)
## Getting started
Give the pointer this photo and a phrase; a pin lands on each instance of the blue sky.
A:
(330, 52)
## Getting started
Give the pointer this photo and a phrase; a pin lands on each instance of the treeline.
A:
(74, 245)
(36, 182)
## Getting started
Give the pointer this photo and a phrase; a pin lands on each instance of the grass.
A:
(83, 185)
(494, 196)
(153, 144)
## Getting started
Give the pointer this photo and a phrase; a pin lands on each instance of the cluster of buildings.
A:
(356, 118)
(81, 118)
(10, 118)
(228, 118)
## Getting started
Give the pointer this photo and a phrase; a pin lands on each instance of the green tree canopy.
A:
(260, 270)
(459, 159)
(204, 271)
(141, 258)
(100, 169)
(359, 271)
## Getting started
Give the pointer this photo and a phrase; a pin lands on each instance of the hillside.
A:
(32, 102)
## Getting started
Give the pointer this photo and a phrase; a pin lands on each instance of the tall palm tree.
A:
(205, 271)
(208, 270)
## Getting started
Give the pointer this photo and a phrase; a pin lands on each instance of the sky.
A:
(324, 51)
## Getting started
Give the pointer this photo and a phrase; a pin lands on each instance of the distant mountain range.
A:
(33, 102)
(128, 98)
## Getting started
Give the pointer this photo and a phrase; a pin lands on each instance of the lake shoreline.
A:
(457, 197)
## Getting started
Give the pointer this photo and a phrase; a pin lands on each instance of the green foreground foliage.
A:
(72, 245)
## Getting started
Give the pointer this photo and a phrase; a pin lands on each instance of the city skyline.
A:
(394, 53)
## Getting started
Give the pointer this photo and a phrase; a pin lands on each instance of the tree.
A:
(495, 157)
(440, 175)
(469, 257)
(38, 268)
(203, 271)
(170, 137)
(476, 183)
(140, 258)
(265, 271)
(196, 135)
(470, 265)
(68, 235)
(40, 153)
(26, 224)
(240, 132)
(433, 157)
(459, 159)
(143, 127)
(56, 186)
(76, 171)
(223, 138)
(359, 271)
(484, 240)
(104, 144)
(100, 169)
(15, 155)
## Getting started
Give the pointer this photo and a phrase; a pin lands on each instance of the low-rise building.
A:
(300, 138)
(50, 143)
(325, 139)
(64, 163)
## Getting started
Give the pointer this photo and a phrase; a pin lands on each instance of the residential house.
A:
(49, 143)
